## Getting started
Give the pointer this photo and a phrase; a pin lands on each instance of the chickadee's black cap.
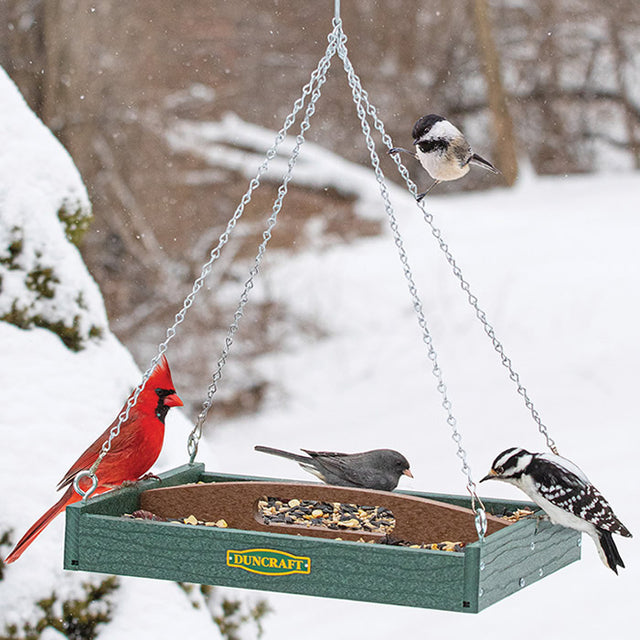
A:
(425, 123)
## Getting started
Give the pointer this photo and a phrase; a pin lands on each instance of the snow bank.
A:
(57, 400)
(43, 206)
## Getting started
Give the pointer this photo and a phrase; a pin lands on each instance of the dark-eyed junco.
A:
(378, 469)
(442, 150)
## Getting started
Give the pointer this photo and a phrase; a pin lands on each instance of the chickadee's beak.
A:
(407, 472)
(400, 150)
(490, 475)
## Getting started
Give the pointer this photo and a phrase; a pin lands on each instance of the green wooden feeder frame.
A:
(98, 538)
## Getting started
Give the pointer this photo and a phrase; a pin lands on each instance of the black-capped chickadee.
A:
(442, 150)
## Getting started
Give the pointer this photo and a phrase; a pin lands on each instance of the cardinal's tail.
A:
(38, 527)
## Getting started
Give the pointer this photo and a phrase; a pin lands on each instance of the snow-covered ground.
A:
(555, 265)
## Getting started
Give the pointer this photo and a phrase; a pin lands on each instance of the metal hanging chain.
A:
(363, 106)
(317, 80)
(471, 298)
(319, 72)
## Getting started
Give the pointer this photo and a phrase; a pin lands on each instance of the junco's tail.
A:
(281, 453)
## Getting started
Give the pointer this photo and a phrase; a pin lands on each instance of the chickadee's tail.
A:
(608, 551)
(481, 162)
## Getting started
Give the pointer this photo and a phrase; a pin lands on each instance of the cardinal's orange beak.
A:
(173, 401)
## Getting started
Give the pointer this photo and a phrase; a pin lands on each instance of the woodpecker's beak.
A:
(407, 472)
(491, 474)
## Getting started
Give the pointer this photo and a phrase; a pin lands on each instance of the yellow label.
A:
(268, 562)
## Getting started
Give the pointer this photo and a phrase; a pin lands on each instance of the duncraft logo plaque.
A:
(268, 562)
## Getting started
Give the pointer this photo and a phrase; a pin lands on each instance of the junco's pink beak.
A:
(407, 472)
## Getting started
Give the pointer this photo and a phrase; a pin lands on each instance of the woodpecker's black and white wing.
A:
(565, 486)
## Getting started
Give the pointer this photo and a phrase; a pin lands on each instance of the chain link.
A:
(471, 298)
(316, 75)
(317, 79)
(363, 106)
(337, 44)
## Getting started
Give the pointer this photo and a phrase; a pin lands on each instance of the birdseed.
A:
(518, 514)
(435, 546)
(331, 515)
(141, 514)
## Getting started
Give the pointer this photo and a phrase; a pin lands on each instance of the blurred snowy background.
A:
(123, 86)
(329, 355)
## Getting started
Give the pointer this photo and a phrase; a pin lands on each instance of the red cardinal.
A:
(132, 452)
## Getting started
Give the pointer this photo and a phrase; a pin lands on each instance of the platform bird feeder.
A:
(208, 528)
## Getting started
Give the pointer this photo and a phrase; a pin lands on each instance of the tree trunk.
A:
(504, 153)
